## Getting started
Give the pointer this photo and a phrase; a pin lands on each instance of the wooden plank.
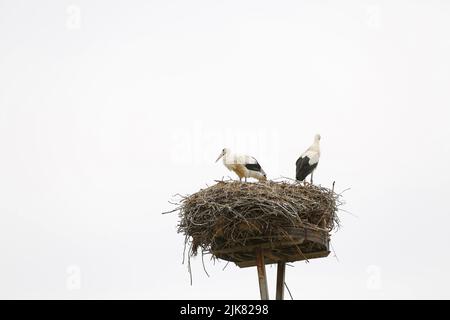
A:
(298, 257)
(271, 255)
(262, 279)
(281, 270)
(251, 248)
(297, 236)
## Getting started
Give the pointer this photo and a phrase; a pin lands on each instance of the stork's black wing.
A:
(303, 168)
(253, 166)
(299, 161)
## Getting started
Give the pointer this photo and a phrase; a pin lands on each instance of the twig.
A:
(289, 291)
(334, 252)
(203, 263)
(225, 265)
(189, 269)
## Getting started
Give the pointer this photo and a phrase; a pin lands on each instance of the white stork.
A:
(244, 166)
(308, 161)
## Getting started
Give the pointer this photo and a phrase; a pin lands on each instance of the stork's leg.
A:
(240, 179)
(312, 177)
(245, 179)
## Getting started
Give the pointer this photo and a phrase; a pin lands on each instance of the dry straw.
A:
(231, 213)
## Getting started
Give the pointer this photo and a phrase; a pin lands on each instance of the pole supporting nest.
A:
(261, 266)
(262, 277)
(281, 270)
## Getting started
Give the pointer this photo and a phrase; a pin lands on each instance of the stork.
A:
(244, 166)
(308, 161)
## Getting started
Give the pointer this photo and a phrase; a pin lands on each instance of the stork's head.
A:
(317, 137)
(224, 152)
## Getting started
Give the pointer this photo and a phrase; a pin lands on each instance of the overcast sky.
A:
(108, 109)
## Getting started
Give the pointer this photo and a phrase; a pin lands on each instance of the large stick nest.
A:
(231, 213)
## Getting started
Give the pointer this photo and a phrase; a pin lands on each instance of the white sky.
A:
(107, 110)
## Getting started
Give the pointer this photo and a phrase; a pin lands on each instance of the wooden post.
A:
(281, 268)
(263, 289)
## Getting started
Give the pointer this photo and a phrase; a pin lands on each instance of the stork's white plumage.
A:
(244, 166)
(308, 161)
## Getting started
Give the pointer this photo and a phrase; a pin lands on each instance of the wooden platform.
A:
(296, 245)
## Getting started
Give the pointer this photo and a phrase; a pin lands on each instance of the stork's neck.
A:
(228, 158)
(315, 146)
